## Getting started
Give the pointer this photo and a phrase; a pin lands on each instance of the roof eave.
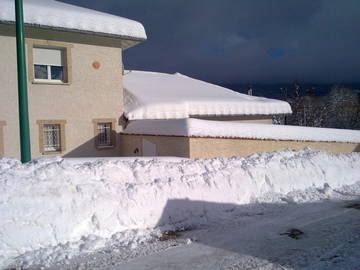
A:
(129, 40)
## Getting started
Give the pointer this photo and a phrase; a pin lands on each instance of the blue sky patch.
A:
(277, 53)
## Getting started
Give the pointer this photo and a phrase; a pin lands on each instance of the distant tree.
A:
(297, 89)
(284, 92)
(339, 109)
(250, 91)
(343, 107)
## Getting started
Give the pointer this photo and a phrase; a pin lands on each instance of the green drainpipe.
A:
(22, 84)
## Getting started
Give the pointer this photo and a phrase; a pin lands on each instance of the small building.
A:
(161, 109)
(175, 115)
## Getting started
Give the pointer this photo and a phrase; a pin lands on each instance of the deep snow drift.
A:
(78, 204)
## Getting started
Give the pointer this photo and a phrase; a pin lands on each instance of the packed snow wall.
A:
(56, 201)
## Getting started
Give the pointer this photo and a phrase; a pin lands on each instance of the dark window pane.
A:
(104, 134)
(56, 73)
(40, 71)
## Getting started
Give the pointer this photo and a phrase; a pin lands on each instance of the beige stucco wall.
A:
(93, 93)
(8, 96)
(2, 124)
(192, 147)
(215, 147)
(259, 119)
(132, 145)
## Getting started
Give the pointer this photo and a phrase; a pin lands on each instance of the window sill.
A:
(49, 82)
(51, 153)
(105, 147)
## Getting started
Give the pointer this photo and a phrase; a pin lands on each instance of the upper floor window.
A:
(49, 64)
(49, 61)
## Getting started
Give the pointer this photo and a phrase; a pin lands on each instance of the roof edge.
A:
(64, 29)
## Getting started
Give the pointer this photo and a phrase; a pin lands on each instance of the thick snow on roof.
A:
(224, 129)
(152, 95)
(49, 13)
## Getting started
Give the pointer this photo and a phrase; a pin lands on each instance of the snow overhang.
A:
(153, 95)
(53, 15)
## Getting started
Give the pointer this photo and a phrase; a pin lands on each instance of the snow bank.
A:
(152, 95)
(53, 202)
(226, 129)
(49, 13)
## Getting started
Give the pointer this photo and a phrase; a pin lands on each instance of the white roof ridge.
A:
(155, 95)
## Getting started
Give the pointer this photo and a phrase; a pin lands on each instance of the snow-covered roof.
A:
(190, 127)
(152, 95)
(53, 14)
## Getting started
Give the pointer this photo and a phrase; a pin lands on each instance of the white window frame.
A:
(66, 61)
(48, 67)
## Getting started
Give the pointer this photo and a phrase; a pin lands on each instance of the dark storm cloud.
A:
(238, 41)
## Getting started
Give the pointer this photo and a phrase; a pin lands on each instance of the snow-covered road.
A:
(252, 240)
(331, 240)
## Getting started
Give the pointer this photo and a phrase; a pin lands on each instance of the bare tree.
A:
(339, 109)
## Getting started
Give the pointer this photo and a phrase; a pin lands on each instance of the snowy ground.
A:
(252, 240)
(232, 213)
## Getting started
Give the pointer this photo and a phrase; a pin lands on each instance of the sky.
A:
(244, 41)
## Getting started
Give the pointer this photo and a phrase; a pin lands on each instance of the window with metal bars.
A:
(52, 141)
(104, 134)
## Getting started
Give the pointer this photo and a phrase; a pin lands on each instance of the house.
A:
(83, 104)
(74, 65)
(161, 109)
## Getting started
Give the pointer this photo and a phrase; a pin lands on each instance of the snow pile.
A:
(49, 13)
(226, 129)
(76, 205)
(152, 95)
